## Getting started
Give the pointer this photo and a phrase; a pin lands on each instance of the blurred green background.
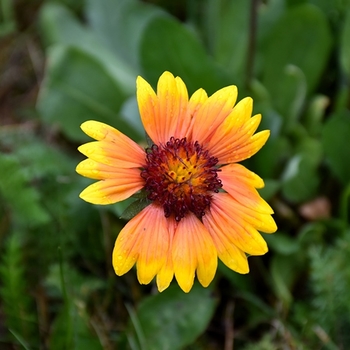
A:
(68, 61)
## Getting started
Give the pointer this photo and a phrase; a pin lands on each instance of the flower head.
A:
(203, 205)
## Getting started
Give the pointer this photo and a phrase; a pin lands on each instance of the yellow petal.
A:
(154, 247)
(126, 248)
(123, 185)
(183, 120)
(164, 114)
(193, 249)
(260, 221)
(109, 153)
(121, 143)
(144, 240)
(228, 253)
(212, 113)
(169, 101)
(148, 106)
(245, 150)
(95, 170)
(166, 273)
(242, 189)
(235, 130)
(226, 220)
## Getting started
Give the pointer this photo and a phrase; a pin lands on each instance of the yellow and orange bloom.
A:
(203, 204)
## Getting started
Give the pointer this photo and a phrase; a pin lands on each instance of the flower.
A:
(203, 205)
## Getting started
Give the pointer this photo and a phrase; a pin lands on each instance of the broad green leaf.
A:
(315, 113)
(268, 160)
(167, 45)
(16, 193)
(311, 149)
(173, 319)
(268, 14)
(270, 189)
(226, 28)
(283, 271)
(334, 9)
(300, 38)
(282, 243)
(58, 26)
(120, 24)
(335, 138)
(78, 88)
(300, 180)
(345, 45)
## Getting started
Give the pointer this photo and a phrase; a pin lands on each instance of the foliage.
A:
(64, 62)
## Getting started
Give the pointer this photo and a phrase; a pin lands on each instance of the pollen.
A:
(181, 177)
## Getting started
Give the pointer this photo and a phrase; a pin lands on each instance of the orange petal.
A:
(244, 175)
(245, 150)
(241, 188)
(134, 240)
(121, 143)
(95, 170)
(194, 104)
(109, 153)
(172, 100)
(163, 115)
(260, 221)
(183, 120)
(193, 249)
(166, 273)
(124, 184)
(212, 113)
(236, 129)
(148, 105)
(154, 245)
(228, 253)
(225, 218)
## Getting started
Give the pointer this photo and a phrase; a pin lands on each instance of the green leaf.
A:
(58, 26)
(270, 189)
(268, 160)
(311, 149)
(168, 45)
(223, 17)
(171, 320)
(16, 193)
(300, 179)
(7, 18)
(300, 38)
(15, 300)
(134, 208)
(282, 243)
(70, 329)
(120, 24)
(283, 273)
(315, 113)
(335, 136)
(345, 45)
(77, 88)
(35, 155)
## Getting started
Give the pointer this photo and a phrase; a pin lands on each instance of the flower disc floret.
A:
(181, 176)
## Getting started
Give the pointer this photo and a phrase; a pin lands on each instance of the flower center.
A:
(181, 177)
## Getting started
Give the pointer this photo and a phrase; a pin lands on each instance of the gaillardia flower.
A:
(203, 205)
